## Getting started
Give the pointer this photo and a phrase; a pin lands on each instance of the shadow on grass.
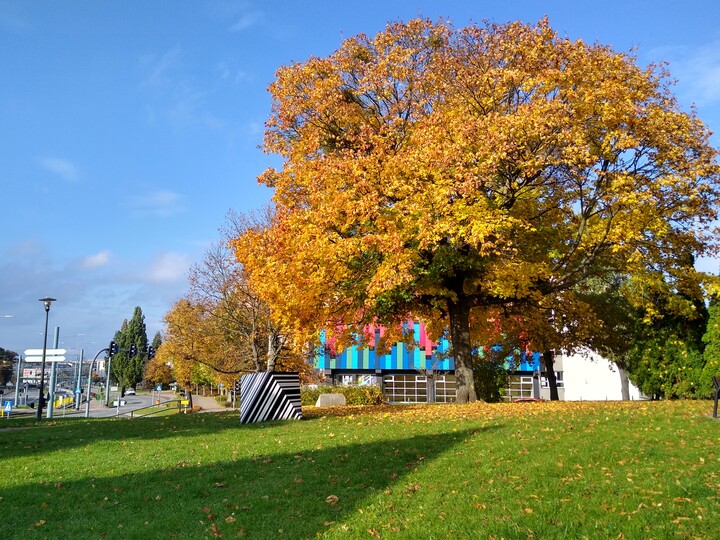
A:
(59, 434)
(67, 433)
(293, 494)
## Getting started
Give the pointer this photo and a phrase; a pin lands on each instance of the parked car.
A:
(130, 392)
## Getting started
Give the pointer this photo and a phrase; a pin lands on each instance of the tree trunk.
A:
(548, 362)
(255, 352)
(462, 349)
(430, 383)
(271, 357)
(624, 383)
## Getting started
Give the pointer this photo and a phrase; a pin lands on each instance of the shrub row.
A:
(354, 395)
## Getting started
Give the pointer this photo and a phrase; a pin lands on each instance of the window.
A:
(414, 388)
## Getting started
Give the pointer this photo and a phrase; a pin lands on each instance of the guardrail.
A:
(156, 408)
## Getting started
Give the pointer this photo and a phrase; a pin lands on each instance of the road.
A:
(127, 404)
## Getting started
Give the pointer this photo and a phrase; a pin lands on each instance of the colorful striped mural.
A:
(423, 355)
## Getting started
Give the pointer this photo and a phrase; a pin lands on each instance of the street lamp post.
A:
(47, 301)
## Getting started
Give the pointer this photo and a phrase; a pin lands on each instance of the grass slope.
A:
(535, 470)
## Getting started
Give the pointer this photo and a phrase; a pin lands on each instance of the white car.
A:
(130, 392)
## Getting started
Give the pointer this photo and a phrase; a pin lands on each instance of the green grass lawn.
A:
(533, 470)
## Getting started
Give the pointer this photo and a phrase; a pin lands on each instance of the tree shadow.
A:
(67, 433)
(298, 493)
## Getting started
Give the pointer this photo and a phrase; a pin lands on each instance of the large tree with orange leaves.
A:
(469, 175)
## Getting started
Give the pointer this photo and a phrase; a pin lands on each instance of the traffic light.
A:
(237, 386)
(133, 349)
(113, 348)
(151, 352)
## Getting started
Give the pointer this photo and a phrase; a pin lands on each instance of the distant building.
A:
(425, 372)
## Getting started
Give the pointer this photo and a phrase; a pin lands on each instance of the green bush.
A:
(354, 395)
(222, 400)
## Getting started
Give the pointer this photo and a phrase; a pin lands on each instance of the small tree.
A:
(159, 372)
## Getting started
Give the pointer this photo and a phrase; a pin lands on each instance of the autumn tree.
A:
(159, 372)
(221, 324)
(466, 175)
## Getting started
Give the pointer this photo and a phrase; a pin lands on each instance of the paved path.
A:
(206, 403)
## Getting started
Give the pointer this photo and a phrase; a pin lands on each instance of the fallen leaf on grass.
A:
(332, 500)
(412, 488)
(230, 519)
(220, 484)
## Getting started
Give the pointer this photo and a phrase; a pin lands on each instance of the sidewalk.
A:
(206, 403)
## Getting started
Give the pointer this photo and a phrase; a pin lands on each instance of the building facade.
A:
(425, 372)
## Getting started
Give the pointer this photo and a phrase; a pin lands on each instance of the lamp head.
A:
(47, 301)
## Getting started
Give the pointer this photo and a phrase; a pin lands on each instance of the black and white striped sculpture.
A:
(269, 396)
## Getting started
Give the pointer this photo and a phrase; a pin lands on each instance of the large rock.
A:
(331, 400)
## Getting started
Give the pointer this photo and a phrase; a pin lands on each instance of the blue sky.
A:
(129, 128)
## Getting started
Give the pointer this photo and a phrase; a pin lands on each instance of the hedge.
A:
(354, 395)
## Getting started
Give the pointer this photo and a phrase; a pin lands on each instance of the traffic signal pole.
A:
(89, 397)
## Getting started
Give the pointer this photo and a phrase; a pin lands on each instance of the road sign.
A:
(48, 352)
(8, 406)
(159, 387)
(78, 390)
(47, 359)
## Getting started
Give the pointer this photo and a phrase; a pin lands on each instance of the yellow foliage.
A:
(493, 168)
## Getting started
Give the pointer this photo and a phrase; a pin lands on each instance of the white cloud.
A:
(231, 74)
(161, 203)
(161, 68)
(169, 267)
(96, 261)
(697, 71)
(175, 95)
(61, 167)
(246, 21)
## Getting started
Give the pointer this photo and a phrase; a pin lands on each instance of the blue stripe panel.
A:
(399, 357)
(269, 396)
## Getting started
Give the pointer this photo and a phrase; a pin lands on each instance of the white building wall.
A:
(589, 377)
